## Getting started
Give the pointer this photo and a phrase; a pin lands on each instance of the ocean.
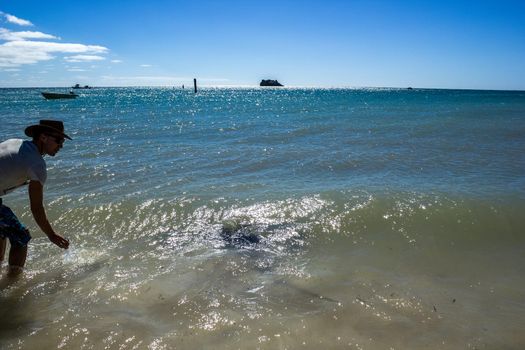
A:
(278, 218)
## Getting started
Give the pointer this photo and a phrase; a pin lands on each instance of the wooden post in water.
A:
(195, 85)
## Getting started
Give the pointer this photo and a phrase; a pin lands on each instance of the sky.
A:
(313, 43)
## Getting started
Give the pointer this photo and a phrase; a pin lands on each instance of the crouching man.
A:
(22, 163)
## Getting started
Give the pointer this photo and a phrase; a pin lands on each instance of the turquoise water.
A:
(385, 217)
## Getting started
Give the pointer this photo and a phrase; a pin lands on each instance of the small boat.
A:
(77, 86)
(56, 96)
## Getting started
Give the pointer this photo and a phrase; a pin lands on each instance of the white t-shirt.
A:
(20, 162)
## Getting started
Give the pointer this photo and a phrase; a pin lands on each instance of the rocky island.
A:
(269, 82)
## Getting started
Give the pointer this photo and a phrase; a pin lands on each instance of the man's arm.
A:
(36, 198)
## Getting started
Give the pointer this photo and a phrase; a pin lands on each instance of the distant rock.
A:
(269, 82)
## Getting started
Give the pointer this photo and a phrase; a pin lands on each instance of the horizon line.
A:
(240, 86)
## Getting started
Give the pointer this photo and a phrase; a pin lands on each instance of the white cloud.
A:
(11, 70)
(16, 53)
(76, 70)
(16, 20)
(116, 61)
(145, 65)
(21, 48)
(84, 58)
(6, 34)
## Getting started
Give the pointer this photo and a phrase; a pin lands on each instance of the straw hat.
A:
(51, 126)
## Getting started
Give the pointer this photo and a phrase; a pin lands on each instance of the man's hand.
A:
(36, 198)
(59, 241)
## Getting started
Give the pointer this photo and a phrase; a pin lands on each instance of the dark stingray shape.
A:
(239, 234)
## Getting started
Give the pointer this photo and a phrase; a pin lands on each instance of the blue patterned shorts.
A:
(11, 228)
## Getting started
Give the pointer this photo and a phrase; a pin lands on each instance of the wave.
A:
(360, 216)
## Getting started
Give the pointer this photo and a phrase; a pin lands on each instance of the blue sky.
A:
(330, 43)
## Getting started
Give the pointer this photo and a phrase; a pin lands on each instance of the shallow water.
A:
(386, 219)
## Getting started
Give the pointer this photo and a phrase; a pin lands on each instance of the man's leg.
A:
(2, 249)
(17, 259)
(17, 256)
(18, 236)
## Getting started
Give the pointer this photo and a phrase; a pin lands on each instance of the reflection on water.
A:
(305, 276)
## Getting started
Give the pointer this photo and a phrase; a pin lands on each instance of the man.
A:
(22, 163)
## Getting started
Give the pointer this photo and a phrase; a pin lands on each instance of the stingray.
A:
(237, 233)
(241, 234)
